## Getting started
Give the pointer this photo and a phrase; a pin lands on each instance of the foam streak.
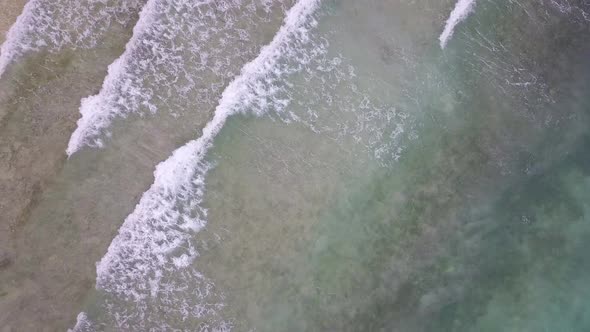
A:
(462, 9)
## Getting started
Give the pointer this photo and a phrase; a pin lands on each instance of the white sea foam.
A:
(462, 9)
(332, 102)
(83, 324)
(54, 25)
(175, 43)
(93, 117)
(155, 239)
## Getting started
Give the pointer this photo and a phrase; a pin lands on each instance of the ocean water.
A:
(309, 165)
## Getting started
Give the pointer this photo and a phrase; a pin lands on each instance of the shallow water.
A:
(39, 98)
(352, 175)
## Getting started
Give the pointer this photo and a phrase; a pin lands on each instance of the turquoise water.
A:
(354, 175)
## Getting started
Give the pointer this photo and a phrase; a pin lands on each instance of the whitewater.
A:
(176, 45)
(55, 25)
(462, 9)
(157, 228)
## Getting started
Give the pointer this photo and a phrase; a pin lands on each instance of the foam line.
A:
(462, 9)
